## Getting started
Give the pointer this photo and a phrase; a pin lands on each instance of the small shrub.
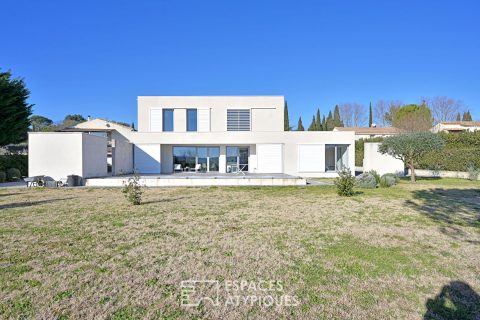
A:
(3, 176)
(376, 175)
(393, 175)
(13, 174)
(473, 172)
(387, 180)
(366, 180)
(345, 183)
(133, 190)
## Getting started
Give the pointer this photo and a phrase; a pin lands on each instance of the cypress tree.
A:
(330, 123)
(467, 116)
(133, 126)
(370, 117)
(286, 120)
(459, 118)
(312, 126)
(337, 121)
(324, 123)
(318, 121)
(300, 125)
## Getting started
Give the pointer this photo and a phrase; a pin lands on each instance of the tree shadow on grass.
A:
(452, 208)
(457, 300)
(25, 204)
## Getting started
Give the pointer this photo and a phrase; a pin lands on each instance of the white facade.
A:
(456, 126)
(233, 133)
(211, 134)
(60, 154)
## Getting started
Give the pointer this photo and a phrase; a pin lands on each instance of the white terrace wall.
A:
(60, 154)
(382, 163)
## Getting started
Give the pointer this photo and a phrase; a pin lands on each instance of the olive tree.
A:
(410, 147)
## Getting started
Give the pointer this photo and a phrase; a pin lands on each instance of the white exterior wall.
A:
(123, 154)
(59, 154)
(382, 163)
(263, 107)
(289, 139)
(94, 156)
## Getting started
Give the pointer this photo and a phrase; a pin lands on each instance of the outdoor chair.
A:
(197, 168)
(33, 181)
(178, 168)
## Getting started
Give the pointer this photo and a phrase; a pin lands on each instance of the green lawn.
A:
(409, 251)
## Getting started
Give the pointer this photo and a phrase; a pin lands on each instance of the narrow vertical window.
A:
(167, 119)
(191, 119)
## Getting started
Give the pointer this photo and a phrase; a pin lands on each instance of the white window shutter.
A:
(203, 118)
(155, 120)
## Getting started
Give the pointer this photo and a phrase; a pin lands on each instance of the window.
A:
(237, 159)
(189, 157)
(191, 119)
(167, 120)
(336, 157)
(238, 120)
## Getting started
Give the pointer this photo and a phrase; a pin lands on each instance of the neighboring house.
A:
(456, 126)
(222, 134)
(20, 148)
(370, 132)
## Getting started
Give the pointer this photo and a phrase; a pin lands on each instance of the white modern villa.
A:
(224, 135)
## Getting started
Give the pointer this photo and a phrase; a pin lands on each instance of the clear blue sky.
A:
(96, 57)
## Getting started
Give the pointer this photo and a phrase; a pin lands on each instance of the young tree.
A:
(410, 147)
(312, 126)
(286, 121)
(413, 118)
(467, 116)
(300, 125)
(40, 123)
(370, 116)
(14, 109)
(318, 121)
(337, 119)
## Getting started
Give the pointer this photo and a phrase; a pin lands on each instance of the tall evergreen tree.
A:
(15, 111)
(318, 121)
(133, 125)
(324, 123)
(370, 116)
(330, 123)
(300, 125)
(313, 126)
(467, 116)
(286, 121)
(337, 120)
(459, 118)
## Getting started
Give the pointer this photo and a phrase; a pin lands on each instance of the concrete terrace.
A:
(201, 179)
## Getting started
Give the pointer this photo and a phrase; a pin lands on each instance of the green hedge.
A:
(359, 149)
(18, 161)
(461, 150)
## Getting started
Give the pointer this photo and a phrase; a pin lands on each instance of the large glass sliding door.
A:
(336, 157)
(237, 159)
(189, 157)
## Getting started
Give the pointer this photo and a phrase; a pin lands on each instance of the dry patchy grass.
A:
(401, 252)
